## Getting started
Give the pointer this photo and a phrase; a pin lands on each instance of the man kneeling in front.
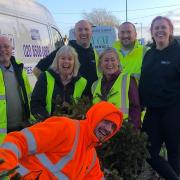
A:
(61, 148)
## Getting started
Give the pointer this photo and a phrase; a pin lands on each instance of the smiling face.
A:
(104, 129)
(83, 33)
(66, 64)
(109, 64)
(127, 35)
(161, 32)
(5, 51)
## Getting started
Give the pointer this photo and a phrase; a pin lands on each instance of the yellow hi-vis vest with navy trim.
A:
(118, 94)
(3, 110)
(132, 62)
(97, 63)
(79, 87)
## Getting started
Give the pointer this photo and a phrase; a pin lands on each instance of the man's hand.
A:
(6, 173)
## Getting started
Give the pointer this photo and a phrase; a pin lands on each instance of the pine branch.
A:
(76, 110)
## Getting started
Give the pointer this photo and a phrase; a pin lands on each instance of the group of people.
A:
(105, 75)
(127, 78)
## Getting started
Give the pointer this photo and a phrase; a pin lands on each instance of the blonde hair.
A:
(66, 49)
(104, 52)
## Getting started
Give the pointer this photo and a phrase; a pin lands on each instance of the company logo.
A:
(165, 62)
(35, 35)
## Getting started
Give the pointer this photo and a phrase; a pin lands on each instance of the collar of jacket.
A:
(136, 45)
(90, 139)
(57, 78)
(96, 114)
(172, 43)
(74, 44)
(113, 77)
(15, 64)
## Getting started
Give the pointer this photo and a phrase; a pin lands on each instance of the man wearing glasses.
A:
(14, 91)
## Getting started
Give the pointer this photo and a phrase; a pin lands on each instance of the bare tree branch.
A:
(101, 17)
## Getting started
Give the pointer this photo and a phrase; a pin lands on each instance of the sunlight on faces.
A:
(104, 129)
(127, 35)
(5, 50)
(109, 64)
(83, 33)
(161, 32)
(66, 64)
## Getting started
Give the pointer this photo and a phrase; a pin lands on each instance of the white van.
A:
(31, 29)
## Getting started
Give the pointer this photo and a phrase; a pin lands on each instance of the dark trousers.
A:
(163, 125)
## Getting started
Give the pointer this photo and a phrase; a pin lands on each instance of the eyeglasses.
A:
(4, 46)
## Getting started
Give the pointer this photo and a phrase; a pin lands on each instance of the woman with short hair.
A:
(61, 80)
(116, 87)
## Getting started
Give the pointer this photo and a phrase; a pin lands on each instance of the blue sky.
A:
(67, 12)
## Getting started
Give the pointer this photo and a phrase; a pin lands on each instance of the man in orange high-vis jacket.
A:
(61, 148)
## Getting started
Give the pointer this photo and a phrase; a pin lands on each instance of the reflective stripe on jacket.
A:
(3, 113)
(59, 147)
(118, 94)
(79, 87)
(3, 110)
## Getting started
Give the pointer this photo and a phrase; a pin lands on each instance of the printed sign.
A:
(29, 69)
(103, 37)
(31, 50)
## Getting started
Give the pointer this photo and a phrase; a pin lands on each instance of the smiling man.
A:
(129, 50)
(62, 148)
(104, 129)
(86, 54)
(15, 91)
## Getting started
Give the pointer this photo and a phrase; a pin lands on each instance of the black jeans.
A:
(163, 125)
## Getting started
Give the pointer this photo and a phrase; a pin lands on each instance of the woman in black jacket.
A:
(61, 84)
(160, 93)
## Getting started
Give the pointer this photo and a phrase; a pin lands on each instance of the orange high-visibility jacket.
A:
(58, 148)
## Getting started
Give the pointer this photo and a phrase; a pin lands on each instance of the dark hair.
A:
(164, 18)
(167, 20)
(128, 23)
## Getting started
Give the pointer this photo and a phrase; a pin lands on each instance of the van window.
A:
(58, 40)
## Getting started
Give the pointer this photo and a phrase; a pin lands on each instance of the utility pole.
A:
(140, 30)
(126, 12)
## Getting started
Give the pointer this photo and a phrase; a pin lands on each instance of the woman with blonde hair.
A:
(116, 87)
(62, 80)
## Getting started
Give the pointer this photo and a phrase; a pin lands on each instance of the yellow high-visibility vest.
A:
(3, 111)
(118, 94)
(132, 62)
(79, 87)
